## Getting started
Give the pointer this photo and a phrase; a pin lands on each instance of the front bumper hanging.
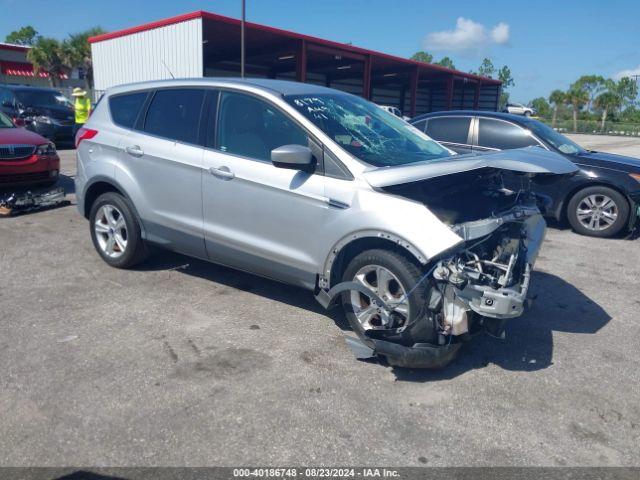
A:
(419, 355)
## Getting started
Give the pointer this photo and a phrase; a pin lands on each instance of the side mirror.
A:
(294, 157)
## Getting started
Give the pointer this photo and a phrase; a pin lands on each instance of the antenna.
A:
(168, 69)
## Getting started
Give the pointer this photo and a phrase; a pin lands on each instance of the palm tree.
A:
(557, 98)
(46, 57)
(577, 97)
(76, 52)
(608, 102)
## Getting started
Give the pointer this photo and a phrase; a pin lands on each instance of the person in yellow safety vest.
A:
(82, 107)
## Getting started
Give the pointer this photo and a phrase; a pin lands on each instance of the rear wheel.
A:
(115, 231)
(397, 281)
(598, 212)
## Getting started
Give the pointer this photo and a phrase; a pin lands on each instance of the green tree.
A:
(76, 53)
(557, 98)
(504, 75)
(627, 89)
(541, 105)
(608, 101)
(46, 56)
(486, 68)
(24, 36)
(422, 56)
(577, 96)
(617, 95)
(445, 62)
(593, 85)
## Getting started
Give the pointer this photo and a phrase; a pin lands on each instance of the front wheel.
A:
(115, 231)
(398, 282)
(598, 212)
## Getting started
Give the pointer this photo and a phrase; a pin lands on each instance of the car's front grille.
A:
(16, 152)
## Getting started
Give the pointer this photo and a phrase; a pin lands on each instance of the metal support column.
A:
(301, 62)
(414, 91)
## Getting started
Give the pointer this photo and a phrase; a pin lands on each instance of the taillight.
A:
(19, 122)
(84, 134)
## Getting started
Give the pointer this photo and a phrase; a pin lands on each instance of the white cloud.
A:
(627, 73)
(500, 33)
(468, 35)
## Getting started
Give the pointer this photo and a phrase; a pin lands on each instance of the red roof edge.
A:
(148, 26)
(11, 46)
(221, 18)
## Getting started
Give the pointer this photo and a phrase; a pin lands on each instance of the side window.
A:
(449, 129)
(174, 113)
(420, 125)
(503, 135)
(125, 108)
(250, 127)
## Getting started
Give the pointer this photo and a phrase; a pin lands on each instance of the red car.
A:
(26, 158)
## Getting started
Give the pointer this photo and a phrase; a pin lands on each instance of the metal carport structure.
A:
(201, 44)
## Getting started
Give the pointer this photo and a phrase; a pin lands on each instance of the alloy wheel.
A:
(597, 212)
(111, 231)
(387, 286)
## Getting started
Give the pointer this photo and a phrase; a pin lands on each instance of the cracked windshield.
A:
(366, 131)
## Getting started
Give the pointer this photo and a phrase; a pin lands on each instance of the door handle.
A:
(222, 172)
(134, 150)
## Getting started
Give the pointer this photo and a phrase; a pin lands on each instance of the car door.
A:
(163, 156)
(258, 217)
(454, 132)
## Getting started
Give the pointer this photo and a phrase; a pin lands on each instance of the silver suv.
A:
(317, 188)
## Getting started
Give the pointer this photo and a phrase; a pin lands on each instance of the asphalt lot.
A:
(181, 362)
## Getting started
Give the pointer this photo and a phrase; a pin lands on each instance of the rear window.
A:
(125, 108)
(503, 135)
(449, 129)
(175, 114)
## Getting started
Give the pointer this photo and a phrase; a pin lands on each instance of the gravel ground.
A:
(181, 362)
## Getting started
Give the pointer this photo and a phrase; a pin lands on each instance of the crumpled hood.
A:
(533, 160)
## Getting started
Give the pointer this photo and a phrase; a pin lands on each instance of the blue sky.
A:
(546, 43)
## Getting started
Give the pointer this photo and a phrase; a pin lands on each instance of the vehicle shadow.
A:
(229, 277)
(64, 181)
(528, 345)
(88, 475)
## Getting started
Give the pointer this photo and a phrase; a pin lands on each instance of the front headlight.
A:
(46, 149)
(43, 119)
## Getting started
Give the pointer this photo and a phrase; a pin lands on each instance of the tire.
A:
(590, 212)
(420, 328)
(115, 231)
(527, 113)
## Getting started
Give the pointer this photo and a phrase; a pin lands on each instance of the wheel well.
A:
(94, 192)
(564, 212)
(360, 245)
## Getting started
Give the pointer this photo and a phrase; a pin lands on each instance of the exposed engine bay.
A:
(475, 286)
(489, 274)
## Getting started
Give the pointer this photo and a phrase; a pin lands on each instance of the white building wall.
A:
(139, 56)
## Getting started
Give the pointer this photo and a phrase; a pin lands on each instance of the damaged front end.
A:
(480, 283)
